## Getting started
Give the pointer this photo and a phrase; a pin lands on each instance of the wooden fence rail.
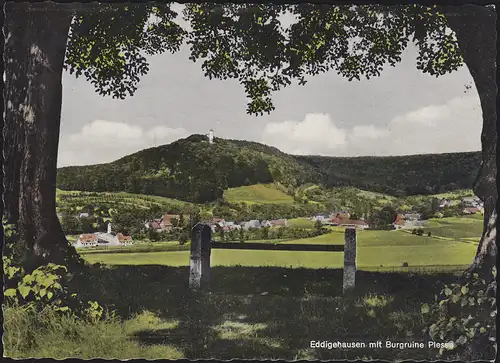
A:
(202, 244)
(275, 246)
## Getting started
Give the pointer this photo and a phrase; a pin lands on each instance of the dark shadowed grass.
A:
(269, 312)
(45, 334)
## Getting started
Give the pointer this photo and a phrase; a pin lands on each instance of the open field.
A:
(463, 228)
(301, 223)
(380, 197)
(258, 193)
(115, 197)
(376, 250)
(451, 244)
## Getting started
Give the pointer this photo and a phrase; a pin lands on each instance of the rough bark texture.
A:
(36, 36)
(15, 94)
(475, 28)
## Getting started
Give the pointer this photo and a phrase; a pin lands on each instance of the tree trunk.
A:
(35, 49)
(475, 28)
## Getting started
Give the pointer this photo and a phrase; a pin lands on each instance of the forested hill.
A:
(191, 169)
(400, 175)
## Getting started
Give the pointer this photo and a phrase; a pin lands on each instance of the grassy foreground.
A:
(261, 304)
(265, 312)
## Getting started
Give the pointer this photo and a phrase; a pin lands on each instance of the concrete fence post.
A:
(350, 259)
(199, 266)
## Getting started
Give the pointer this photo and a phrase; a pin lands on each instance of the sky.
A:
(402, 112)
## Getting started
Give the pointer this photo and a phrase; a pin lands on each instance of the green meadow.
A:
(377, 250)
(463, 228)
(258, 193)
(301, 223)
(117, 197)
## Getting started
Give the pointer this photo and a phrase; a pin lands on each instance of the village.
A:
(170, 222)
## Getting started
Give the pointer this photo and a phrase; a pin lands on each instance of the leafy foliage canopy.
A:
(257, 44)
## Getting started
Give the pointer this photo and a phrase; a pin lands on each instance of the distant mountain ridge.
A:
(193, 170)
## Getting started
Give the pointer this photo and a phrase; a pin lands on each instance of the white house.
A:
(443, 203)
(103, 239)
(254, 223)
(219, 221)
(86, 240)
(229, 226)
(124, 240)
(412, 216)
(265, 224)
(472, 202)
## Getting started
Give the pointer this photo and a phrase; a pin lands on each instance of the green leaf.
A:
(425, 309)
(43, 292)
(28, 278)
(482, 330)
(50, 294)
(57, 285)
(447, 291)
(464, 290)
(10, 292)
(48, 280)
(24, 290)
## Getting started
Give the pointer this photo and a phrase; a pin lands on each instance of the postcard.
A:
(250, 181)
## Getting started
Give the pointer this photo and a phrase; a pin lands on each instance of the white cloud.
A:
(167, 133)
(451, 127)
(104, 141)
(369, 132)
(103, 130)
(315, 134)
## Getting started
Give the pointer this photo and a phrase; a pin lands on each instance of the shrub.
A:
(46, 287)
(465, 314)
(405, 264)
(414, 231)
(429, 234)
